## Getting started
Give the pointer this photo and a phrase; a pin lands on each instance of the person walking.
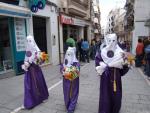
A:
(147, 58)
(93, 50)
(70, 70)
(109, 65)
(139, 53)
(85, 48)
(70, 42)
(35, 88)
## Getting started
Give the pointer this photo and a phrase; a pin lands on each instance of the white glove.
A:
(25, 66)
(100, 69)
(117, 64)
(103, 64)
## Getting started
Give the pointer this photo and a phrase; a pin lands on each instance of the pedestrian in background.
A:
(80, 49)
(139, 53)
(93, 50)
(147, 60)
(145, 43)
(70, 42)
(70, 70)
(85, 48)
(35, 88)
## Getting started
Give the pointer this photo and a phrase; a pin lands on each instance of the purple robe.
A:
(110, 101)
(35, 87)
(71, 91)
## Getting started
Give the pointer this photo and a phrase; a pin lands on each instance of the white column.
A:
(81, 32)
(29, 23)
(49, 41)
(61, 42)
(89, 34)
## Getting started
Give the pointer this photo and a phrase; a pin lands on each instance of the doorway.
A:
(39, 30)
(85, 32)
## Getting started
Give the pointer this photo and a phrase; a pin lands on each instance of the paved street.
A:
(136, 92)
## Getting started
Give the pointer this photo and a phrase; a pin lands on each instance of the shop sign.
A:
(36, 4)
(72, 21)
(20, 34)
(67, 20)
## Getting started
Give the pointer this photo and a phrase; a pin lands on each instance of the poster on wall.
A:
(20, 34)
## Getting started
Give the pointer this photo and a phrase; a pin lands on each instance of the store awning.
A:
(14, 11)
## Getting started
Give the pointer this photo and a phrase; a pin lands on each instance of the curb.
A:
(148, 82)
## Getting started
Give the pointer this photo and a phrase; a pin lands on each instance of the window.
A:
(5, 48)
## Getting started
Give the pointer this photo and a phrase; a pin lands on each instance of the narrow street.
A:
(136, 92)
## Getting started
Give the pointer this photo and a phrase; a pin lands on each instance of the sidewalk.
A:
(136, 93)
(12, 89)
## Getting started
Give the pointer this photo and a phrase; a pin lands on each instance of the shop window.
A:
(74, 31)
(5, 48)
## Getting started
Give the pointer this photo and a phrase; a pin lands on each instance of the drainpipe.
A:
(58, 18)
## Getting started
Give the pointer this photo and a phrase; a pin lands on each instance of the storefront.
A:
(80, 29)
(13, 37)
(18, 22)
(5, 47)
(76, 27)
(44, 27)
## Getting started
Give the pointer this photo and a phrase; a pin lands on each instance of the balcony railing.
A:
(78, 8)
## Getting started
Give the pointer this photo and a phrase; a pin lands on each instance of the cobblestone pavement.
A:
(136, 93)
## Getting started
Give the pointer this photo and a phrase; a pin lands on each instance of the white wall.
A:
(52, 29)
(142, 10)
(61, 42)
(140, 30)
(141, 14)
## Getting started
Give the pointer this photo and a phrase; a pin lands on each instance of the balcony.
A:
(78, 7)
(82, 2)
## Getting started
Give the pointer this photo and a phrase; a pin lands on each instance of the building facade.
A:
(110, 22)
(115, 23)
(18, 18)
(141, 21)
(119, 24)
(49, 21)
(13, 31)
(96, 17)
(129, 20)
(75, 19)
